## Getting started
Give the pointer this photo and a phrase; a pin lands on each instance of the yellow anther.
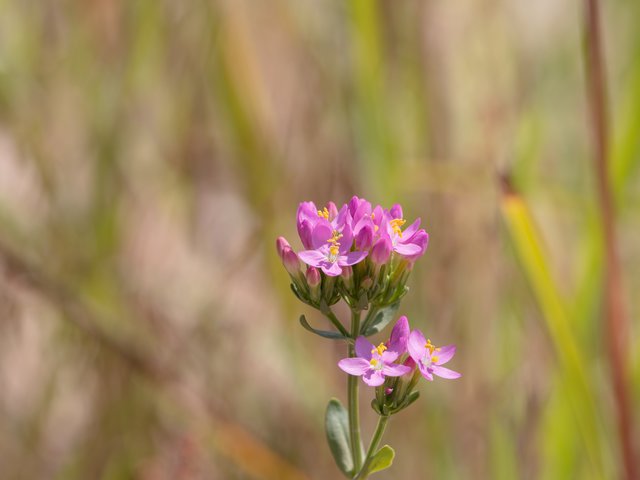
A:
(396, 225)
(334, 249)
(379, 349)
(434, 359)
(430, 346)
(373, 216)
(373, 362)
(324, 213)
(336, 236)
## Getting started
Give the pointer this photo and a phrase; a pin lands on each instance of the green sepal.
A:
(382, 459)
(295, 291)
(409, 399)
(376, 406)
(322, 333)
(336, 423)
(412, 397)
(363, 302)
(381, 320)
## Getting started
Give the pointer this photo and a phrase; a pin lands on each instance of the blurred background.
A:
(152, 150)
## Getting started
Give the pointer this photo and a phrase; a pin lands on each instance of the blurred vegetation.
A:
(152, 150)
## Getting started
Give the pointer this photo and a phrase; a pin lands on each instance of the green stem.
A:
(370, 316)
(373, 446)
(352, 393)
(332, 316)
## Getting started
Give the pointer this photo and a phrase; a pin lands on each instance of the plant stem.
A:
(352, 393)
(332, 316)
(616, 323)
(373, 446)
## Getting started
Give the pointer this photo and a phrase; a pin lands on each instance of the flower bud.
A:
(367, 283)
(381, 251)
(364, 238)
(347, 276)
(281, 246)
(313, 277)
(333, 210)
(290, 261)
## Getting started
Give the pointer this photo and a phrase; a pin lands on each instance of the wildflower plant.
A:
(364, 257)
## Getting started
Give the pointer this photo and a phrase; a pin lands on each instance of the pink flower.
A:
(410, 242)
(373, 363)
(430, 358)
(331, 249)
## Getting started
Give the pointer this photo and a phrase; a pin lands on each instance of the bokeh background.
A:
(152, 150)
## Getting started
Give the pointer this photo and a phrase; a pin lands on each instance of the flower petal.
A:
(395, 370)
(351, 258)
(407, 249)
(354, 366)
(305, 229)
(331, 269)
(373, 378)
(307, 211)
(389, 356)
(363, 348)
(411, 229)
(314, 258)
(321, 233)
(416, 345)
(421, 239)
(425, 371)
(445, 354)
(396, 211)
(444, 372)
(346, 240)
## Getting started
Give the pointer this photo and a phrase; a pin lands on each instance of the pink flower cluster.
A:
(373, 363)
(334, 239)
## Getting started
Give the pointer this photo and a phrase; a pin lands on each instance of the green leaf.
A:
(322, 333)
(382, 459)
(381, 320)
(336, 424)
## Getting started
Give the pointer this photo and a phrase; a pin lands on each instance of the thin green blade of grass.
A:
(528, 245)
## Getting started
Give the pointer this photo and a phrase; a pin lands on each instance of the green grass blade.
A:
(528, 246)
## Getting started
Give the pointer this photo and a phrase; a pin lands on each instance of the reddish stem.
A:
(615, 321)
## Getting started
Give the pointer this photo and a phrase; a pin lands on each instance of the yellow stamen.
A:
(396, 223)
(324, 213)
(334, 249)
(434, 359)
(373, 362)
(430, 346)
(373, 216)
(380, 349)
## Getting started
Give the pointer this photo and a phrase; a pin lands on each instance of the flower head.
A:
(372, 363)
(430, 358)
